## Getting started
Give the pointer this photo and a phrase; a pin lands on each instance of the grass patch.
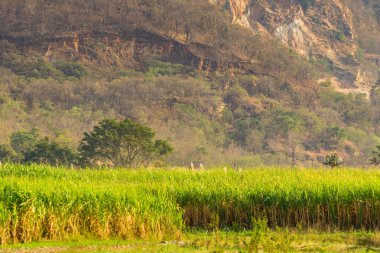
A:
(221, 241)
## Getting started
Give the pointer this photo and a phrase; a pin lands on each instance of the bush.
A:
(360, 54)
(375, 160)
(331, 137)
(332, 160)
(72, 69)
(160, 68)
(7, 154)
(341, 37)
(28, 66)
(51, 153)
(23, 142)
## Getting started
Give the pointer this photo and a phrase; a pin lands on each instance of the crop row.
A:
(39, 202)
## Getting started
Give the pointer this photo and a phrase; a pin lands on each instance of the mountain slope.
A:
(327, 31)
(222, 85)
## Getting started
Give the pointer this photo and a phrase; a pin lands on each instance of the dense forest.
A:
(219, 93)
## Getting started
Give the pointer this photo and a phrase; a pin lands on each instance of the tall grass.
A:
(39, 202)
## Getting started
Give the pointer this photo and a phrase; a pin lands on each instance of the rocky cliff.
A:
(320, 30)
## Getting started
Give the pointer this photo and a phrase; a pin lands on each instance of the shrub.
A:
(375, 160)
(332, 160)
(23, 142)
(7, 154)
(331, 137)
(72, 69)
(28, 66)
(51, 153)
(341, 37)
(160, 68)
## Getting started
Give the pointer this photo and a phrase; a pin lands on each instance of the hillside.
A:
(228, 82)
(336, 32)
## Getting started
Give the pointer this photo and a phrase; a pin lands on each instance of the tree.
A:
(7, 154)
(51, 153)
(375, 160)
(332, 160)
(122, 143)
(23, 142)
(331, 137)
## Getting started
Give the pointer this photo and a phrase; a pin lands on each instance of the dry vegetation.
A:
(252, 102)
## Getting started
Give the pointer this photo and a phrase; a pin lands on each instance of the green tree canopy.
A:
(23, 142)
(123, 143)
(7, 154)
(52, 153)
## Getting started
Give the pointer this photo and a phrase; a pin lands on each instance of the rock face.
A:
(238, 10)
(319, 29)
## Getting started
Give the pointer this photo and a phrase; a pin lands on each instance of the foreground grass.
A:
(39, 203)
(271, 241)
